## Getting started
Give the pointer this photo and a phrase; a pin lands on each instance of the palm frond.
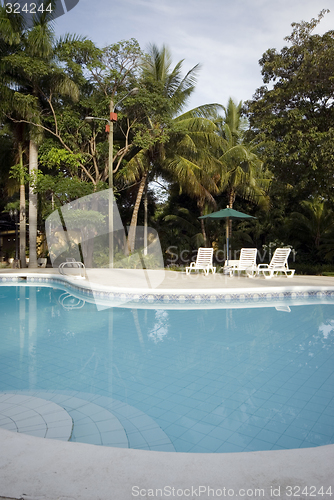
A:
(209, 111)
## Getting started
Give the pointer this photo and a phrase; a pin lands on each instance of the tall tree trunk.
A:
(231, 200)
(134, 219)
(33, 163)
(145, 218)
(200, 206)
(23, 219)
(204, 233)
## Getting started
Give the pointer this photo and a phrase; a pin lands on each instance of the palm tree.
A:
(240, 169)
(241, 172)
(30, 77)
(313, 227)
(174, 144)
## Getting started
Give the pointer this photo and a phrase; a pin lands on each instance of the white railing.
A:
(70, 302)
(71, 265)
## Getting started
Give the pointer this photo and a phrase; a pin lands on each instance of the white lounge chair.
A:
(247, 263)
(278, 264)
(203, 261)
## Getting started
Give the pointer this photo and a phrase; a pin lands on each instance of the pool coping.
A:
(36, 468)
(221, 296)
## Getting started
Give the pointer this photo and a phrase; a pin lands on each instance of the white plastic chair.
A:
(203, 261)
(247, 263)
(278, 264)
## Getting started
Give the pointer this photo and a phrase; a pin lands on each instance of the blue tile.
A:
(203, 427)
(276, 447)
(318, 439)
(229, 448)
(210, 443)
(271, 406)
(166, 405)
(285, 418)
(240, 440)
(229, 424)
(316, 407)
(297, 432)
(269, 436)
(274, 425)
(221, 433)
(175, 430)
(231, 404)
(321, 428)
(321, 400)
(307, 444)
(311, 415)
(329, 411)
(197, 414)
(170, 416)
(200, 449)
(267, 413)
(163, 447)
(239, 416)
(278, 398)
(325, 419)
(182, 446)
(249, 430)
(289, 442)
(192, 436)
(93, 439)
(259, 445)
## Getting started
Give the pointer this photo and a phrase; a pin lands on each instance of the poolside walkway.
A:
(37, 468)
(173, 280)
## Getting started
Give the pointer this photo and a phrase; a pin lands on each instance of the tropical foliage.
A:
(271, 157)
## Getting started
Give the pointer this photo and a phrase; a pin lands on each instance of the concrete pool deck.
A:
(36, 468)
(173, 280)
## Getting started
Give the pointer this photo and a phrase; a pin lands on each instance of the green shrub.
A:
(312, 269)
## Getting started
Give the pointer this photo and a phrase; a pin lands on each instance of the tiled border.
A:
(179, 299)
(98, 420)
(34, 416)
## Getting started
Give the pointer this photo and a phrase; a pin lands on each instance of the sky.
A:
(226, 37)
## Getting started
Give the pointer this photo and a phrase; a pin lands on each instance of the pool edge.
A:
(40, 468)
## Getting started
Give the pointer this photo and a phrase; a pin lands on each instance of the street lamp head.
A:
(134, 91)
(13, 212)
(93, 118)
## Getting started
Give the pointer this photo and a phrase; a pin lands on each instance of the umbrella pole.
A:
(227, 239)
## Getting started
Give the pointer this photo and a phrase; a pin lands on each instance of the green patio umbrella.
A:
(228, 214)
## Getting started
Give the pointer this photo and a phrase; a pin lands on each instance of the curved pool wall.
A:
(126, 296)
(81, 471)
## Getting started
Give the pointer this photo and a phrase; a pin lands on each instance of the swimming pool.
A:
(214, 380)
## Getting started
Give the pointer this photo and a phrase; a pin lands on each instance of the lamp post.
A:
(13, 214)
(110, 129)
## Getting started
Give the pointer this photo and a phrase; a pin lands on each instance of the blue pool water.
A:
(216, 380)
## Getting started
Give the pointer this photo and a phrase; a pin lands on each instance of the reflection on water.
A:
(239, 369)
(326, 329)
(160, 327)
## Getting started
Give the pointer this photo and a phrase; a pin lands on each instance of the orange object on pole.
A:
(108, 128)
(113, 117)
